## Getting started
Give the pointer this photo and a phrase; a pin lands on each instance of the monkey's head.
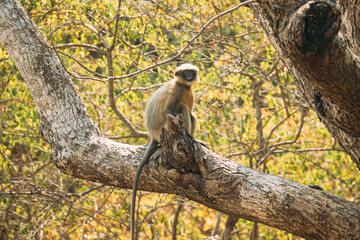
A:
(187, 74)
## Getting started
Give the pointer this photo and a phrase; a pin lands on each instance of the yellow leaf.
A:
(7, 152)
(209, 223)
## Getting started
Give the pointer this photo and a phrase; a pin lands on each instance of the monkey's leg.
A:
(149, 151)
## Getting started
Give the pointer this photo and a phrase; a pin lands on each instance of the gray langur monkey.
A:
(175, 97)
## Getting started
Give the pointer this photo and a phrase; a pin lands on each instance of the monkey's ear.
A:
(177, 73)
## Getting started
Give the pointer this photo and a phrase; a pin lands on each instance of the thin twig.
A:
(187, 44)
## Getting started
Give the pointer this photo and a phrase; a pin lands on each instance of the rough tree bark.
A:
(181, 166)
(320, 43)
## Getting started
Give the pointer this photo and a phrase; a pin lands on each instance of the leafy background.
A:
(247, 105)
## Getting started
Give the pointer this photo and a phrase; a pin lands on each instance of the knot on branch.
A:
(313, 26)
(178, 146)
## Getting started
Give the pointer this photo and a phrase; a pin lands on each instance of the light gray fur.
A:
(154, 115)
(159, 105)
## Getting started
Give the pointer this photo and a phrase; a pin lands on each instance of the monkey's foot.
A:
(202, 143)
(197, 140)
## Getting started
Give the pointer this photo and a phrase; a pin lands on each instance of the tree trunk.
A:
(181, 166)
(319, 42)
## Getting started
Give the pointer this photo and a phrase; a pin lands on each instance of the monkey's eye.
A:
(189, 75)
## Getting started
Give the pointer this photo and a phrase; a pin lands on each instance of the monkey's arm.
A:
(190, 123)
(149, 151)
(188, 119)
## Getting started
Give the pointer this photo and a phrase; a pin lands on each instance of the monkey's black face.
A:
(189, 75)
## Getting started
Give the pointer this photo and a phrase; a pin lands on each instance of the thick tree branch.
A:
(181, 166)
(309, 35)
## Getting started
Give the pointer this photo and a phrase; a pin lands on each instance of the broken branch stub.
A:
(178, 146)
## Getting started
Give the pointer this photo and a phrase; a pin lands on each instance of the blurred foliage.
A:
(248, 107)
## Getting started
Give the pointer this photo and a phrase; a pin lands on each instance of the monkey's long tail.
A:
(149, 151)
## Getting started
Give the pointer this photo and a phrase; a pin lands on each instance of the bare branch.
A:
(186, 45)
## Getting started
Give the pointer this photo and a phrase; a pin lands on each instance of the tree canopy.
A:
(117, 53)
